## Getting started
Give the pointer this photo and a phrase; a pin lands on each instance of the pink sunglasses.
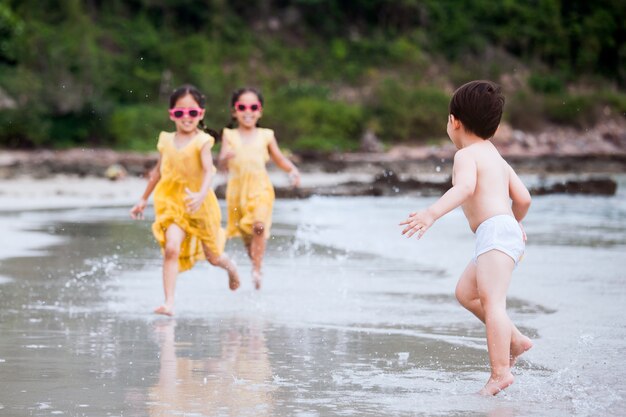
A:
(252, 107)
(180, 112)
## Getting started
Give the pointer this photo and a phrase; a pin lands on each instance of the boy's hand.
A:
(137, 211)
(194, 200)
(418, 222)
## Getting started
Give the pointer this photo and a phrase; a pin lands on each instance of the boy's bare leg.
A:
(493, 276)
(467, 294)
(174, 236)
(224, 262)
(257, 251)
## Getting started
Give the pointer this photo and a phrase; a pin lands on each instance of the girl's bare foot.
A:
(233, 278)
(165, 310)
(495, 385)
(518, 347)
(256, 279)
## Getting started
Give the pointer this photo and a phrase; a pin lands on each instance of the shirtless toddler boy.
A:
(494, 201)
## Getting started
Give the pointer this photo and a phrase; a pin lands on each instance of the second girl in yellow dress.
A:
(249, 193)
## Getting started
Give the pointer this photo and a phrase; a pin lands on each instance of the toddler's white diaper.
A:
(502, 233)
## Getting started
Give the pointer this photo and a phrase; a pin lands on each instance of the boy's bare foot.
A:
(495, 385)
(233, 279)
(165, 310)
(256, 279)
(521, 345)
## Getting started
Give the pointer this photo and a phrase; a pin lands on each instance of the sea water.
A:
(353, 319)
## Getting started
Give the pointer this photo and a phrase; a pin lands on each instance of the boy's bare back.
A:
(492, 182)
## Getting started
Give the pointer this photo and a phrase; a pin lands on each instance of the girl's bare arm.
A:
(283, 162)
(195, 198)
(226, 153)
(153, 178)
(207, 166)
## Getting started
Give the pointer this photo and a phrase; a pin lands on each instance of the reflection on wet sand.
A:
(237, 383)
(502, 412)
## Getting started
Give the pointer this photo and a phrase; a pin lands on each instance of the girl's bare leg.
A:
(247, 241)
(174, 236)
(224, 262)
(257, 251)
(493, 276)
(467, 294)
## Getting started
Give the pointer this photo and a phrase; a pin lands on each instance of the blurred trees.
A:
(98, 72)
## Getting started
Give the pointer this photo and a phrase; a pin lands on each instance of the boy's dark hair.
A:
(478, 105)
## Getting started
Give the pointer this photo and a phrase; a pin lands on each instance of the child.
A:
(249, 193)
(484, 184)
(187, 214)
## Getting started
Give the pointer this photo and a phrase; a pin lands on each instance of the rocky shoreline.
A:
(554, 150)
(402, 160)
(338, 175)
(584, 161)
(388, 184)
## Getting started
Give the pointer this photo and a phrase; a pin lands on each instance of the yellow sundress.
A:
(249, 191)
(180, 169)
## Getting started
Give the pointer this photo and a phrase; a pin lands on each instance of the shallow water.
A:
(353, 319)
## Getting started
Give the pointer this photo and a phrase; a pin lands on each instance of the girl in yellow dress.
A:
(249, 192)
(187, 221)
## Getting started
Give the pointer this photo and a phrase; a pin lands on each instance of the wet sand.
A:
(352, 318)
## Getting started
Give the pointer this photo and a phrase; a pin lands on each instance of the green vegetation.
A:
(98, 72)
(320, 125)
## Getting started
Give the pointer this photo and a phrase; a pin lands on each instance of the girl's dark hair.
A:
(199, 98)
(235, 97)
(183, 90)
(478, 105)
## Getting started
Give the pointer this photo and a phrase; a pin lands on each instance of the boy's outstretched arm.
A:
(519, 195)
(464, 184)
